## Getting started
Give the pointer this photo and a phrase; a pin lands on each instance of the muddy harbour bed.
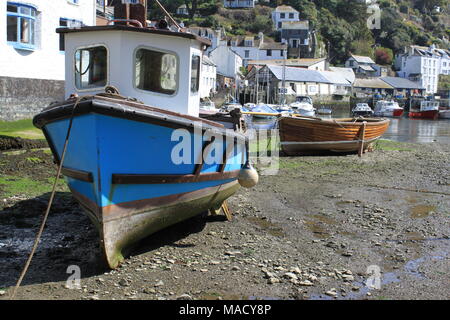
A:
(321, 228)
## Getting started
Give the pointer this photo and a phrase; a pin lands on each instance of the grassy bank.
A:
(21, 128)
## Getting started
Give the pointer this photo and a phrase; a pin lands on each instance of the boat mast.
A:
(168, 14)
(283, 83)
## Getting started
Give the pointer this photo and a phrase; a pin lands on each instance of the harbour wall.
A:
(22, 98)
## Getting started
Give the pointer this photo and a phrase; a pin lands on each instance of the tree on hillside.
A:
(384, 56)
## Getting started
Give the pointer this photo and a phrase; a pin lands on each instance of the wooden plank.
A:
(361, 138)
(174, 178)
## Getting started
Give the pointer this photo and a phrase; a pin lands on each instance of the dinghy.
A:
(308, 134)
(138, 158)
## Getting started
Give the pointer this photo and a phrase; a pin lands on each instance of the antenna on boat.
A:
(168, 14)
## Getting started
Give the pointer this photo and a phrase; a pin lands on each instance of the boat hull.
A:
(120, 167)
(392, 113)
(299, 135)
(444, 114)
(428, 114)
(362, 113)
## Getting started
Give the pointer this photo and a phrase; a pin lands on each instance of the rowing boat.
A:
(305, 134)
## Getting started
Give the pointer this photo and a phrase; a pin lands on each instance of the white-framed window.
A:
(156, 71)
(91, 67)
(195, 73)
(21, 25)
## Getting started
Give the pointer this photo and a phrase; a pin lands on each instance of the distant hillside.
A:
(340, 25)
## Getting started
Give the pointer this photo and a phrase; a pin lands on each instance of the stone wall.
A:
(22, 98)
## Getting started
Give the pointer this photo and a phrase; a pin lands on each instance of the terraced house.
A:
(32, 53)
(423, 65)
(239, 3)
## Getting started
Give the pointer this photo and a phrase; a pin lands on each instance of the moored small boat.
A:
(385, 108)
(263, 111)
(444, 114)
(426, 110)
(362, 109)
(303, 105)
(304, 134)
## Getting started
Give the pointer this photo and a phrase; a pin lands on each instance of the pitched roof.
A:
(336, 77)
(401, 83)
(208, 61)
(362, 59)
(348, 73)
(375, 83)
(304, 62)
(284, 8)
(298, 74)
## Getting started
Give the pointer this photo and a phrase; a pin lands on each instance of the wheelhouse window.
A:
(91, 67)
(21, 21)
(195, 73)
(156, 71)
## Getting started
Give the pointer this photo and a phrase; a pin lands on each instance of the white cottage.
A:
(31, 52)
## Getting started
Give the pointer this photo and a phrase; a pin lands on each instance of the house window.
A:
(282, 15)
(67, 23)
(21, 21)
(195, 73)
(91, 67)
(282, 53)
(269, 52)
(156, 71)
(291, 16)
(279, 24)
(247, 53)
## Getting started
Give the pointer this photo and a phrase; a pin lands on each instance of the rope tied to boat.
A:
(50, 202)
(113, 92)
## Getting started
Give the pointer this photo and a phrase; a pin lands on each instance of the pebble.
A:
(332, 292)
(305, 283)
(184, 296)
(159, 283)
(124, 283)
(274, 280)
(290, 275)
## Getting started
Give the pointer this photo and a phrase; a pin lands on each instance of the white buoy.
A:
(248, 176)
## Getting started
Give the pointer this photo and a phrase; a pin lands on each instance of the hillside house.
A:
(239, 3)
(284, 14)
(423, 65)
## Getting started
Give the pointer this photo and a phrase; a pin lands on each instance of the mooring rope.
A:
(44, 220)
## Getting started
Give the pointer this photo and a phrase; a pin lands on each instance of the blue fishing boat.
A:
(264, 111)
(128, 138)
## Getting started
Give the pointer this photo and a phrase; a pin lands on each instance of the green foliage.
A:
(444, 82)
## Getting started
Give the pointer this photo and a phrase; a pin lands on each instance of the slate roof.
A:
(401, 83)
(363, 59)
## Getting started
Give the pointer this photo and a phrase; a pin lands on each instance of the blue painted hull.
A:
(130, 175)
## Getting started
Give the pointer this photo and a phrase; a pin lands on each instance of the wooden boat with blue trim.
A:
(138, 167)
